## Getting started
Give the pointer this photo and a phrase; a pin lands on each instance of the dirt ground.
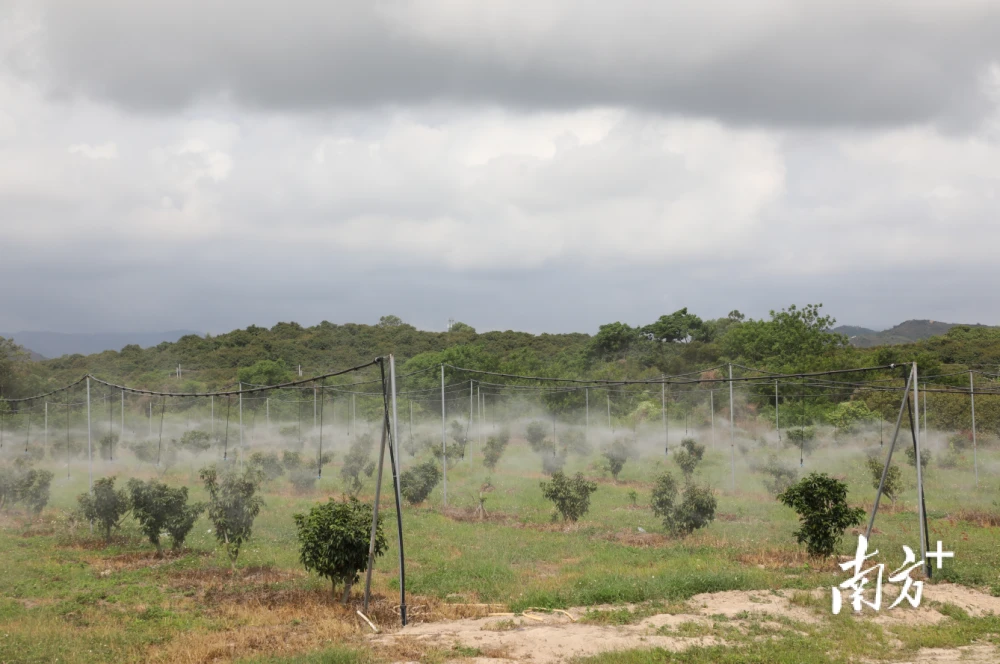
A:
(544, 637)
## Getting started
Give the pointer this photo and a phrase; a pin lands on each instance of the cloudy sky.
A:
(545, 166)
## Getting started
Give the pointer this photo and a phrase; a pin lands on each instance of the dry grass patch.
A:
(980, 517)
(784, 559)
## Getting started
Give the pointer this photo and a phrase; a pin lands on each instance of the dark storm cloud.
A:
(772, 62)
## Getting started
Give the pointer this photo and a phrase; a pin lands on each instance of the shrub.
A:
(553, 462)
(159, 508)
(269, 464)
(617, 454)
(291, 460)
(824, 515)
(25, 485)
(778, 476)
(494, 449)
(334, 541)
(960, 441)
(697, 510)
(911, 457)
(575, 442)
(893, 479)
(687, 462)
(195, 441)
(303, 480)
(460, 434)
(416, 483)
(534, 433)
(692, 447)
(107, 446)
(633, 497)
(571, 496)
(233, 505)
(355, 461)
(105, 506)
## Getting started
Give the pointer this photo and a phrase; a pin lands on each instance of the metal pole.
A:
(471, 384)
(663, 416)
(411, 425)
(241, 427)
(925, 410)
(150, 418)
(711, 408)
(396, 461)
(123, 417)
(732, 426)
(267, 413)
(212, 399)
(314, 408)
(888, 458)
(47, 426)
(972, 396)
(920, 476)
(90, 451)
(354, 414)
(586, 422)
(444, 443)
(610, 425)
(378, 495)
(479, 424)
(777, 426)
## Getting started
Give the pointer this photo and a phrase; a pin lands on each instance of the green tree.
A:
(824, 515)
(334, 540)
(355, 461)
(893, 478)
(617, 453)
(534, 433)
(614, 340)
(679, 326)
(494, 449)
(105, 506)
(233, 505)
(390, 321)
(792, 337)
(695, 510)
(570, 496)
(416, 483)
(159, 508)
(264, 372)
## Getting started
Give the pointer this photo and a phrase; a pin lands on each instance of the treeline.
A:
(796, 339)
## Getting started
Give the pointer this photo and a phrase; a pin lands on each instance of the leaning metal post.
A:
(378, 493)
(396, 462)
(888, 458)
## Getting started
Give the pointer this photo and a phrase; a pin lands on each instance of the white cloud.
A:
(96, 152)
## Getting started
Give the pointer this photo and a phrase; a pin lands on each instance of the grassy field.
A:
(64, 596)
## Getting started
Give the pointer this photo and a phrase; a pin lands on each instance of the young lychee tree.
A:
(824, 515)
(105, 506)
(233, 505)
(159, 508)
(334, 539)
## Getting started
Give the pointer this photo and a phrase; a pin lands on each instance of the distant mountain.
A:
(57, 344)
(906, 332)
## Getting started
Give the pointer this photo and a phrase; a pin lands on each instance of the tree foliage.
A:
(695, 510)
(105, 506)
(893, 478)
(159, 508)
(824, 515)
(334, 541)
(416, 483)
(233, 505)
(570, 496)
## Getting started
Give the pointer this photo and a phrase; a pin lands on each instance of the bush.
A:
(355, 461)
(893, 479)
(303, 480)
(105, 506)
(778, 476)
(696, 509)
(687, 462)
(575, 442)
(960, 441)
(824, 515)
(617, 454)
(693, 448)
(911, 457)
(106, 446)
(494, 449)
(195, 441)
(534, 433)
(571, 496)
(334, 540)
(553, 462)
(416, 483)
(233, 506)
(269, 464)
(159, 508)
(291, 460)
(460, 434)
(25, 485)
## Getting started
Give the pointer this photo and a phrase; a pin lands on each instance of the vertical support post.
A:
(732, 426)
(47, 426)
(354, 414)
(925, 410)
(396, 464)
(586, 421)
(267, 414)
(479, 424)
(610, 425)
(711, 414)
(411, 424)
(975, 454)
(314, 408)
(444, 442)
(777, 425)
(212, 399)
(888, 458)
(241, 427)
(90, 451)
(663, 416)
(150, 418)
(378, 496)
(920, 476)
(471, 386)
(123, 417)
